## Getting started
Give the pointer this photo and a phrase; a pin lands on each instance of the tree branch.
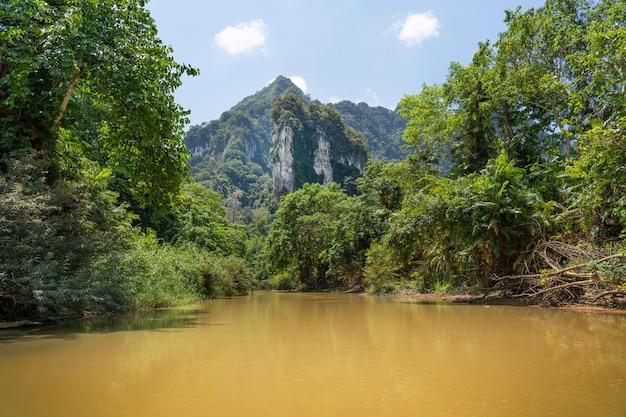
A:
(68, 95)
(558, 287)
(607, 293)
(564, 271)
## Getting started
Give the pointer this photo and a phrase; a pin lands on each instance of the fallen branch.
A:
(544, 276)
(558, 287)
(564, 270)
(607, 293)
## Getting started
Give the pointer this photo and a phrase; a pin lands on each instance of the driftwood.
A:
(608, 293)
(558, 287)
(545, 279)
(565, 271)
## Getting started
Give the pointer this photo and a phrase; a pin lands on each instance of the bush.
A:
(284, 281)
(381, 268)
(468, 229)
(227, 277)
(160, 275)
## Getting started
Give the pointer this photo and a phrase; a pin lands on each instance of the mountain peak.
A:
(288, 83)
(282, 80)
(279, 86)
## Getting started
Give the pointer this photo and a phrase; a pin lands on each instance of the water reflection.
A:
(153, 320)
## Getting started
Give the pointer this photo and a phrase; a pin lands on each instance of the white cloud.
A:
(300, 83)
(334, 100)
(417, 27)
(244, 37)
(374, 99)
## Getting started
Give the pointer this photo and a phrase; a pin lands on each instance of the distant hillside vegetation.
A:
(382, 127)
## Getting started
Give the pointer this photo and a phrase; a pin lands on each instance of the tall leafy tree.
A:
(473, 129)
(427, 130)
(601, 77)
(60, 58)
(86, 89)
(451, 124)
(301, 233)
(536, 77)
(200, 218)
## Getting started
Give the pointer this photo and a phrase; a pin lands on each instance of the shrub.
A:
(470, 228)
(284, 281)
(227, 277)
(381, 268)
(52, 237)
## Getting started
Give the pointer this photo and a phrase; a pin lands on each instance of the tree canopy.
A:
(67, 63)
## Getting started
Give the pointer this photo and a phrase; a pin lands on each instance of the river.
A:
(309, 354)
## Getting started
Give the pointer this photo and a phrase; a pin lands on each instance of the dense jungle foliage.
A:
(97, 213)
(517, 174)
(515, 181)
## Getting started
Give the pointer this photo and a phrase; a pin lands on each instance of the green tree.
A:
(58, 59)
(87, 88)
(536, 78)
(601, 77)
(451, 125)
(471, 122)
(51, 240)
(200, 218)
(301, 233)
(427, 129)
(382, 184)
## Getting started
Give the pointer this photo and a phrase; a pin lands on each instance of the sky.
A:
(376, 52)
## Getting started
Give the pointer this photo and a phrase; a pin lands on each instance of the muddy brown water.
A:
(276, 354)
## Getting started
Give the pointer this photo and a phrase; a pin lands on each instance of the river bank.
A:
(616, 306)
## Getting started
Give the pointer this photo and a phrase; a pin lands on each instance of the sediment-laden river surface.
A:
(309, 354)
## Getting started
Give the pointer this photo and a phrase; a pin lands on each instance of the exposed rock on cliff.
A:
(312, 144)
(321, 162)
(282, 170)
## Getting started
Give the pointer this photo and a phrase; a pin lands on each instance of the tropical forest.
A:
(506, 181)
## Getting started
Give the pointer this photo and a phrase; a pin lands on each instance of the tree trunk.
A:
(68, 95)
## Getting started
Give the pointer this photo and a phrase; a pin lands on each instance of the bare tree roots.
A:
(557, 274)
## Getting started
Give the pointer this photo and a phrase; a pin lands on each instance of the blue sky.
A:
(334, 50)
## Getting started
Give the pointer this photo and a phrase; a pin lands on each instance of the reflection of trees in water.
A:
(145, 320)
(153, 320)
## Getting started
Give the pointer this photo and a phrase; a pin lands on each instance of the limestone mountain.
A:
(244, 130)
(233, 154)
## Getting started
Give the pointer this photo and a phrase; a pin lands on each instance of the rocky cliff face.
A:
(321, 162)
(312, 144)
(283, 178)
